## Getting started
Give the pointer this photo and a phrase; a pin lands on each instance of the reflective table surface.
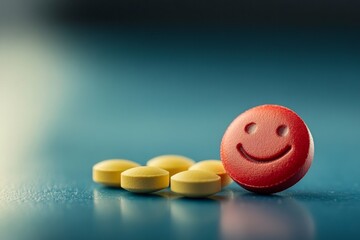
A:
(72, 98)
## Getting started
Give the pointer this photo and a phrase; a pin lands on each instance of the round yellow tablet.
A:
(144, 179)
(195, 183)
(171, 163)
(216, 167)
(108, 172)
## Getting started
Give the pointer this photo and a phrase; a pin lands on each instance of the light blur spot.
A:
(32, 84)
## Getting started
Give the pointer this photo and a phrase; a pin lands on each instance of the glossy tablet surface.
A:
(214, 166)
(144, 179)
(108, 172)
(195, 183)
(171, 163)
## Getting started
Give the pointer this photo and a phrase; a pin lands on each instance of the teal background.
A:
(78, 96)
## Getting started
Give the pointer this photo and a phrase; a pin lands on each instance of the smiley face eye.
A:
(250, 128)
(282, 130)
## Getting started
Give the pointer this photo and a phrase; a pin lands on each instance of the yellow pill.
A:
(108, 172)
(171, 163)
(144, 179)
(214, 166)
(195, 183)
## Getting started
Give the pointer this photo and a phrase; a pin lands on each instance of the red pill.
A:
(267, 149)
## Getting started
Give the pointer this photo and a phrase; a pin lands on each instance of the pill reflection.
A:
(265, 217)
(195, 217)
(107, 211)
(129, 215)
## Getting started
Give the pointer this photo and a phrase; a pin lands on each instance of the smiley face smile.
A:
(267, 149)
(255, 159)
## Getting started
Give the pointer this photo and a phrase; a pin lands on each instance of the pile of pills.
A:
(182, 174)
(265, 150)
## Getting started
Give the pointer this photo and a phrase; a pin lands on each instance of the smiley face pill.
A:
(108, 172)
(195, 183)
(144, 179)
(214, 166)
(267, 149)
(171, 163)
